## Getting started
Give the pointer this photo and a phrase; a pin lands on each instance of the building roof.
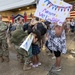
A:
(19, 15)
(12, 4)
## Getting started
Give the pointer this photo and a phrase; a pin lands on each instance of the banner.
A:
(27, 43)
(53, 10)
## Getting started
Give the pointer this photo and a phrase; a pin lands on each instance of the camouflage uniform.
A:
(17, 38)
(3, 41)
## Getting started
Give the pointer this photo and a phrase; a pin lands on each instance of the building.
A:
(14, 7)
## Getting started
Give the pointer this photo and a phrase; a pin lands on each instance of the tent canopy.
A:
(12, 4)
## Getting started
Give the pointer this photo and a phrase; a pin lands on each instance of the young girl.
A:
(35, 49)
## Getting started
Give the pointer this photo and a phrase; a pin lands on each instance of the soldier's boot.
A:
(21, 61)
(18, 55)
(1, 59)
(26, 67)
(7, 58)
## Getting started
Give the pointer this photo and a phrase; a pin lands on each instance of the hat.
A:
(34, 21)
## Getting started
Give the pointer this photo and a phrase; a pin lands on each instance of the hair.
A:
(37, 33)
(15, 21)
(37, 19)
(18, 18)
(47, 23)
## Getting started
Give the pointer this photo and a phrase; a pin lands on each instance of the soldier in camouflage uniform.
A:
(4, 52)
(17, 38)
(19, 29)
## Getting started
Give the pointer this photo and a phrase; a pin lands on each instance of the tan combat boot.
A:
(7, 58)
(1, 59)
(26, 67)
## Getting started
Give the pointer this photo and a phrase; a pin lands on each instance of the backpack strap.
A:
(44, 25)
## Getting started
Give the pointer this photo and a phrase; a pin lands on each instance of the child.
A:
(35, 49)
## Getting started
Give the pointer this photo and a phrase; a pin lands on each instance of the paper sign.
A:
(27, 43)
(53, 10)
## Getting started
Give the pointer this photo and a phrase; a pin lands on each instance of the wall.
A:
(29, 11)
(7, 14)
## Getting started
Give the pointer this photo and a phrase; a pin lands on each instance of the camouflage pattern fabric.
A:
(19, 26)
(18, 36)
(3, 28)
(3, 40)
(4, 48)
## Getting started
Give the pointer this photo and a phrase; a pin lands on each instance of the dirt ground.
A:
(68, 63)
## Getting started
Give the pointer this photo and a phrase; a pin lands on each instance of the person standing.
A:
(57, 44)
(17, 31)
(72, 26)
(4, 52)
(20, 23)
(18, 37)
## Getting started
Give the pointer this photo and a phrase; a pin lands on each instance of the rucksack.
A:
(12, 28)
(41, 27)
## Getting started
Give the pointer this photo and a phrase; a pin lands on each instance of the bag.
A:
(12, 28)
(41, 27)
(17, 36)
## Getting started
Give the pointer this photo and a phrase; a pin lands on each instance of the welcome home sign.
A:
(53, 10)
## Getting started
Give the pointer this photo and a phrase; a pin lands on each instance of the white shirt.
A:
(72, 23)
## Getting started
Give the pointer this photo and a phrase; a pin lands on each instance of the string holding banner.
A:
(50, 4)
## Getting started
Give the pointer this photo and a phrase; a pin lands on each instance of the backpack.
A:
(42, 28)
(12, 28)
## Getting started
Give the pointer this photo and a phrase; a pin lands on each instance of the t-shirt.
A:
(72, 23)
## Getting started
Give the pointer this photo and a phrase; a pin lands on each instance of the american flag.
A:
(72, 14)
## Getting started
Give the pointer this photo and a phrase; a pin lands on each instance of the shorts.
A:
(35, 49)
(56, 53)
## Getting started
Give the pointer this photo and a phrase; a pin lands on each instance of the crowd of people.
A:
(45, 33)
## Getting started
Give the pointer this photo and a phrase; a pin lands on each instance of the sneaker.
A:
(56, 69)
(21, 61)
(35, 65)
(31, 64)
(39, 64)
(55, 66)
(53, 57)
